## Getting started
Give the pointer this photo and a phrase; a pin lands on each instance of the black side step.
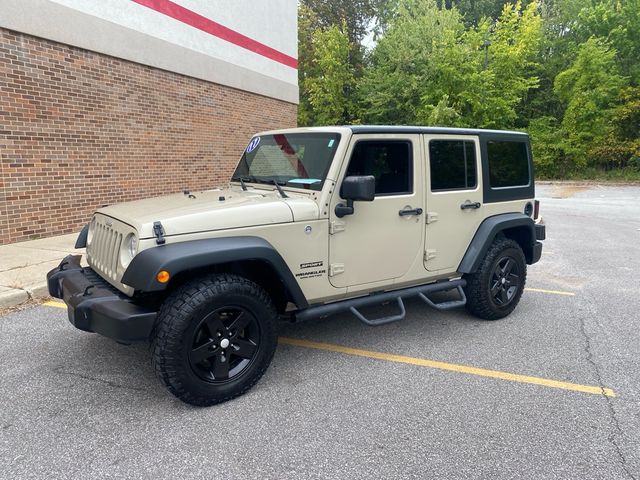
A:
(353, 304)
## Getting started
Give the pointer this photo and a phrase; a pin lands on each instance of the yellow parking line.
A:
(55, 304)
(554, 292)
(511, 377)
(421, 362)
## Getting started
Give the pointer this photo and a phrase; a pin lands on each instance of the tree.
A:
(406, 61)
(353, 20)
(591, 89)
(358, 15)
(567, 71)
(558, 48)
(329, 90)
(474, 11)
(618, 22)
(307, 69)
(621, 148)
(428, 69)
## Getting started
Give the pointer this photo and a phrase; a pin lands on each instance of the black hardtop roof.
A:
(431, 130)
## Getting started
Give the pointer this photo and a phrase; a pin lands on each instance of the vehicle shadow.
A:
(97, 370)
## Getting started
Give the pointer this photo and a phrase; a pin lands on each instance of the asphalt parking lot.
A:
(553, 391)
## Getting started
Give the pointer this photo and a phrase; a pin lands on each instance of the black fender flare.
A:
(81, 242)
(487, 232)
(183, 256)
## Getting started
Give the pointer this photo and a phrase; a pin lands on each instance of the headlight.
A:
(128, 250)
(92, 227)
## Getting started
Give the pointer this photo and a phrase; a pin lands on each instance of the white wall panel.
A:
(126, 29)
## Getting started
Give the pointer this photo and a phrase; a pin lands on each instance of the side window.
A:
(389, 161)
(452, 165)
(508, 164)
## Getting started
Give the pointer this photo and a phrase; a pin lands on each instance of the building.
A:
(103, 101)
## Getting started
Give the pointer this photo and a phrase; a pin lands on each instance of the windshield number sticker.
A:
(331, 143)
(253, 144)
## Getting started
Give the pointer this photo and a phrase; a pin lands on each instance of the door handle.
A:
(412, 211)
(467, 205)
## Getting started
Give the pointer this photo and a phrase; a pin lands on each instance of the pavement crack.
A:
(617, 430)
(14, 268)
(26, 265)
(97, 379)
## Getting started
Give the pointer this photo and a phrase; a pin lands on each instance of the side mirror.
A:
(361, 188)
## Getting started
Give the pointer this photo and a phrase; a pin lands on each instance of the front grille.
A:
(105, 248)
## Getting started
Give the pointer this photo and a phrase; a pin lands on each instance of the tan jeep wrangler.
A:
(316, 221)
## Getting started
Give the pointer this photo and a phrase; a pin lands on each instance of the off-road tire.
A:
(480, 300)
(187, 313)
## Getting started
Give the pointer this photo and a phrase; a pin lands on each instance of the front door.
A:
(454, 198)
(381, 240)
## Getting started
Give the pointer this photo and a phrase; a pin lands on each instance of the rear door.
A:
(454, 198)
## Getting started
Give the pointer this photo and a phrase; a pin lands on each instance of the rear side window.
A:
(452, 164)
(508, 164)
(390, 162)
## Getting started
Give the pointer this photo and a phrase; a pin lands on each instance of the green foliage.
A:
(329, 92)
(621, 149)
(617, 21)
(307, 68)
(355, 14)
(546, 140)
(515, 40)
(406, 60)
(429, 69)
(590, 88)
(566, 71)
(474, 11)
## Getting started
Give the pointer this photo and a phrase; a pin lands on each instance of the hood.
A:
(212, 210)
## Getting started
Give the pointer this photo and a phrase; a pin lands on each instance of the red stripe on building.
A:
(207, 25)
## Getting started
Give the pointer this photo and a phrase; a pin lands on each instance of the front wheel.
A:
(214, 339)
(495, 289)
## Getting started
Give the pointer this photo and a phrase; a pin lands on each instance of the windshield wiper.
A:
(271, 181)
(280, 190)
(242, 179)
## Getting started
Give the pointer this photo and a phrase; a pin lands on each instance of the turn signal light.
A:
(163, 276)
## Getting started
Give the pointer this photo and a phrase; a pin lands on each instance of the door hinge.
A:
(336, 226)
(429, 255)
(335, 269)
(432, 217)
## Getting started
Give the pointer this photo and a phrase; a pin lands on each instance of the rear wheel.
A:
(214, 339)
(494, 291)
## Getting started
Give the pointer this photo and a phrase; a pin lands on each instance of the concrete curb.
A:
(24, 267)
(15, 297)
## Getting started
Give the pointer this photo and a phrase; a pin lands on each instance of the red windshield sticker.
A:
(286, 147)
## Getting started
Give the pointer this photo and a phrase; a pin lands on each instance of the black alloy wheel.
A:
(224, 344)
(505, 281)
(214, 338)
(494, 290)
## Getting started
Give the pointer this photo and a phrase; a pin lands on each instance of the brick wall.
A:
(79, 130)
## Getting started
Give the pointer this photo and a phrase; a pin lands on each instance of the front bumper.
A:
(94, 306)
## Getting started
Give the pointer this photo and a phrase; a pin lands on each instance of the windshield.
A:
(299, 160)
